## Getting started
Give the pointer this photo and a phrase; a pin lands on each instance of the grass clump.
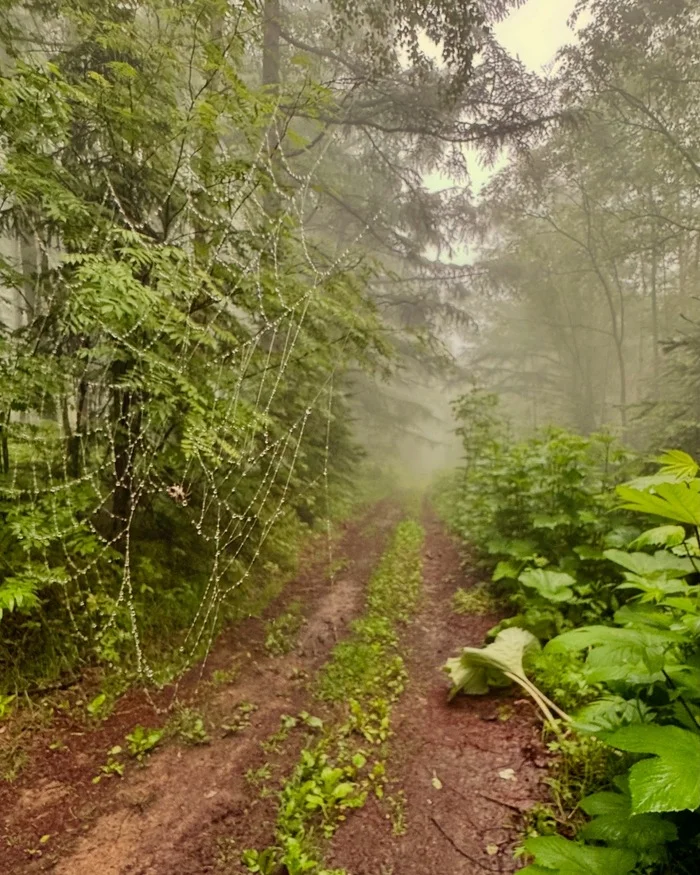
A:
(476, 601)
(368, 662)
(282, 632)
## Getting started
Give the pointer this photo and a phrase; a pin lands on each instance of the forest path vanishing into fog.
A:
(459, 773)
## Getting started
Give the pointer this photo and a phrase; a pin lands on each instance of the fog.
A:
(330, 295)
(250, 251)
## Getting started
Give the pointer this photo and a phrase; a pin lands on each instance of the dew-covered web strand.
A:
(273, 459)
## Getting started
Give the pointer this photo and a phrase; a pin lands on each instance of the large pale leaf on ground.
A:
(479, 668)
(679, 502)
(555, 855)
(670, 781)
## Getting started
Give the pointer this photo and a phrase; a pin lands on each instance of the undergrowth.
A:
(477, 601)
(602, 576)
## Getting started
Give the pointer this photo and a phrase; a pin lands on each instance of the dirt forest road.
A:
(463, 770)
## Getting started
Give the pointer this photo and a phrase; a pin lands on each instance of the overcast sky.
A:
(536, 31)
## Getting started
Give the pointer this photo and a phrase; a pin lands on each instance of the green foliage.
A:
(476, 601)
(542, 511)
(343, 762)
(631, 678)
(6, 706)
(669, 780)
(240, 719)
(555, 855)
(171, 377)
(562, 676)
(187, 725)
(113, 766)
(281, 632)
(617, 825)
(99, 707)
(368, 663)
(142, 741)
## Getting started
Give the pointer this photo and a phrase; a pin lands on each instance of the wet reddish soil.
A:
(162, 817)
(468, 769)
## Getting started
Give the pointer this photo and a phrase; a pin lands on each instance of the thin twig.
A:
(459, 850)
(499, 802)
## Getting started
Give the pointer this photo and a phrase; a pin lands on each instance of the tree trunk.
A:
(654, 315)
(127, 423)
(75, 441)
(271, 83)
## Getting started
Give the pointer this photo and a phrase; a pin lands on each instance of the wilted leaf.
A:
(478, 668)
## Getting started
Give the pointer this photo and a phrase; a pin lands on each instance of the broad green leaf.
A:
(636, 614)
(506, 569)
(598, 636)
(678, 464)
(555, 854)
(554, 586)
(655, 590)
(679, 502)
(661, 536)
(550, 521)
(670, 781)
(615, 824)
(585, 551)
(620, 536)
(611, 713)
(634, 655)
(18, 593)
(648, 566)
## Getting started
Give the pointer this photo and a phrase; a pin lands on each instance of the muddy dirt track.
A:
(466, 772)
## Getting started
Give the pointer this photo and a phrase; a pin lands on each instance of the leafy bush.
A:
(633, 675)
(540, 513)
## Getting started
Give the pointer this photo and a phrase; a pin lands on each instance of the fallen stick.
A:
(459, 850)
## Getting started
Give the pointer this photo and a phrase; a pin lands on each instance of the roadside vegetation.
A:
(600, 568)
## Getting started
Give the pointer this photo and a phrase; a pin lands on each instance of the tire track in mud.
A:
(171, 817)
(462, 811)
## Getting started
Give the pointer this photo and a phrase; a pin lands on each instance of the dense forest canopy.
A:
(590, 248)
(215, 233)
(226, 277)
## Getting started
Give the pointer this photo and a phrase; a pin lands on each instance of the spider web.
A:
(206, 492)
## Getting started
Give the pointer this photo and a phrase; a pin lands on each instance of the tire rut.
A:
(466, 772)
(167, 818)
